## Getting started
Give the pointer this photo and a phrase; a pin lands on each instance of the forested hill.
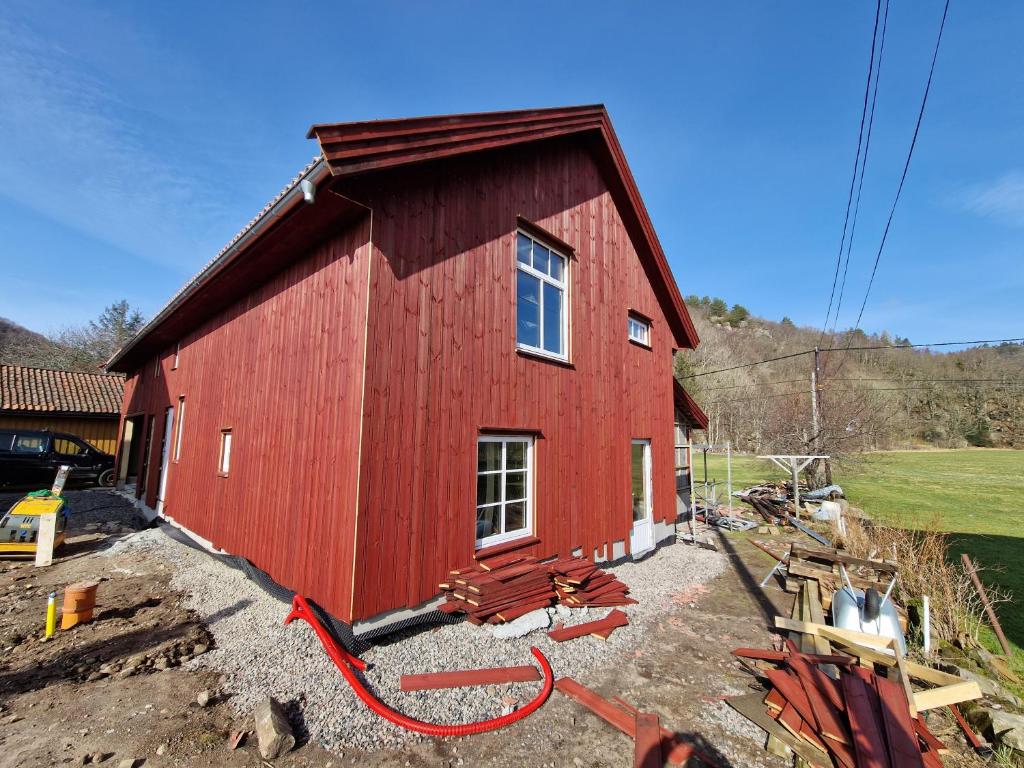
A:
(888, 397)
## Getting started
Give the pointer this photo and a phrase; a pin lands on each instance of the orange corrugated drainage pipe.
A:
(346, 661)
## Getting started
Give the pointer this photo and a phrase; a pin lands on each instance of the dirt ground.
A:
(115, 689)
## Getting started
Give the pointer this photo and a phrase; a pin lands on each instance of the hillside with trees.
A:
(74, 348)
(889, 396)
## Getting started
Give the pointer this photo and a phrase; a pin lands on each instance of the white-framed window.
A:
(504, 488)
(177, 356)
(181, 428)
(224, 462)
(639, 330)
(542, 307)
(156, 368)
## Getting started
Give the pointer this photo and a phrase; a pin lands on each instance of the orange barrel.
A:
(79, 602)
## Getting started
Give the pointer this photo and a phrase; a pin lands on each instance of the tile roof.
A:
(45, 390)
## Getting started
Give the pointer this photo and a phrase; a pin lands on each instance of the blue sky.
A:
(137, 138)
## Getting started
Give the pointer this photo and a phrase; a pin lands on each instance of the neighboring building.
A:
(447, 337)
(87, 405)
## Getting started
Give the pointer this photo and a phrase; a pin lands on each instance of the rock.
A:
(273, 731)
(203, 698)
(199, 649)
(108, 669)
(563, 611)
(990, 688)
(522, 626)
(161, 663)
(128, 762)
(161, 750)
(98, 757)
(1004, 728)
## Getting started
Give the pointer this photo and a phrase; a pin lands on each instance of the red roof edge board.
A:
(695, 417)
(354, 148)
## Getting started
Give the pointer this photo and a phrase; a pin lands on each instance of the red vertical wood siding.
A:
(443, 366)
(282, 369)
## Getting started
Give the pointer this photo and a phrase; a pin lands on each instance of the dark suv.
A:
(32, 457)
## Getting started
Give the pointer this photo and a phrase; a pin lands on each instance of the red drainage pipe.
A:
(346, 661)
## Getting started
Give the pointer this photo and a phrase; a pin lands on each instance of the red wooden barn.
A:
(447, 336)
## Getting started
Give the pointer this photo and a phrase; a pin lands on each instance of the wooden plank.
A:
(750, 707)
(647, 742)
(469, 677)
(676, 751)
(800, 550)
(766, 654)
(614, 619)
(902, 676)
(824, 712)
(868, 738)
(811, 571)
(900, 735)
(928, 737)
(789, 686)
(933, 698)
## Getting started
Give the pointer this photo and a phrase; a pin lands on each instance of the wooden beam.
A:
(868, 740)
(614, 619)
(647, 742)
(469, 677)
(946, 695)
(901, 736)
(676, 751)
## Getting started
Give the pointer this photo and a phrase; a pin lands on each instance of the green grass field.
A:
(978, 495)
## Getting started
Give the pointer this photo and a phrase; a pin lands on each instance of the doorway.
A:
(144, 469)
(165, 455)
(642, 536)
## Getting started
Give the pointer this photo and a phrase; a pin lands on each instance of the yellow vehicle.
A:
(19, 528)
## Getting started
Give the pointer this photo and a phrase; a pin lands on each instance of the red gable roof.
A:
(354, 148)
(694, 416)
(42, 390)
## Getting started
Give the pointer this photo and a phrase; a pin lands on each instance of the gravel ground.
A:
(262, 657)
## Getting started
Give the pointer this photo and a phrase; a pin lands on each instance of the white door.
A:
(642, 538)
(165, 454)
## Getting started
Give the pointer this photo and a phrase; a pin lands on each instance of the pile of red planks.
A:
(857, 719)
(505, 587)
(500, 589)
(578, 582)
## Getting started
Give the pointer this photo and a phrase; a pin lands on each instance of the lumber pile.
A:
(578, 582)
(503, 588)
(857, 718)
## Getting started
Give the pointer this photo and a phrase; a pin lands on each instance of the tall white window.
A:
(639, 330)
(181, 428)
(177, 355)
(542, 317)
(504, 489)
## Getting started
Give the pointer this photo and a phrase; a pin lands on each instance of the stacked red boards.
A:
(861, 720)
(503, 588)
(578, 582)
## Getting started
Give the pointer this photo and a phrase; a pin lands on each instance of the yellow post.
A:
(51, 614)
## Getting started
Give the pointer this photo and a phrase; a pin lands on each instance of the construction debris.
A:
(501, 589)
(855, 718)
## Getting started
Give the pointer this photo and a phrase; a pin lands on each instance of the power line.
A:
(863, 169)
(829, 389)
(906, 165)
(858, 349)
(861, 378)
(856, 165)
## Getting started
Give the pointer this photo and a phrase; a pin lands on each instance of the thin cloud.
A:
(1002, 199)
(67, 152)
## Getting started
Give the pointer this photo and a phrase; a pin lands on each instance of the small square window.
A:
(639, 330)
(224, 463)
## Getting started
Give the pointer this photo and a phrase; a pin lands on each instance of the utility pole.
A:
(814, 402)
